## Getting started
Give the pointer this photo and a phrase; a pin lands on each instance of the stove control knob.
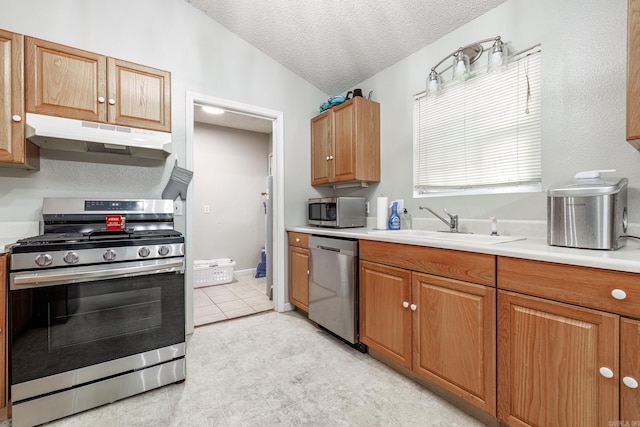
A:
(71, 258)
(163, 250)
(144, 252)
(43, 260)
(109, 255)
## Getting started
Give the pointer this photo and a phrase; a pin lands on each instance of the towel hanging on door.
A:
(178, 183)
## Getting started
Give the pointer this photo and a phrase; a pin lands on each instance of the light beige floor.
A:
(245, 295)
(277, 369)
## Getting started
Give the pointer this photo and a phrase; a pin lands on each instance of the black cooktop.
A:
(100, 235)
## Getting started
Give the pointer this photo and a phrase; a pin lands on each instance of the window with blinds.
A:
(481, 135)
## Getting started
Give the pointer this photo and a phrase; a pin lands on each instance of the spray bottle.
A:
(394, 218)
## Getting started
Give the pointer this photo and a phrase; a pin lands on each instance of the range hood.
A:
(57, 133)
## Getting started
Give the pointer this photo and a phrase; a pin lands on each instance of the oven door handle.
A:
(65, 276)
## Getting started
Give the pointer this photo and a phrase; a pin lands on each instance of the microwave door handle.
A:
(60, 277)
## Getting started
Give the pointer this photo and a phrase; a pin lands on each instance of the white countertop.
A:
(11, 232)
(626, 258)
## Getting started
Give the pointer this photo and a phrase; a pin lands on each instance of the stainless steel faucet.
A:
(452, 224)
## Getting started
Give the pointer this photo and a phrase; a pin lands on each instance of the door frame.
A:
(278, 274)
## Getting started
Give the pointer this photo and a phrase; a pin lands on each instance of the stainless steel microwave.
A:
(337, 212)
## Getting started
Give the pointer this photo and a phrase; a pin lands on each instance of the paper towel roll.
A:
(382, 213)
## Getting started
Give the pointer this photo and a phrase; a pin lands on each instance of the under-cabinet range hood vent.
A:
(57, 133)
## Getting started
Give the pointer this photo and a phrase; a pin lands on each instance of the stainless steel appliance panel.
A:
(588, 214)
(49, 407)
(332, 285)
(337, 212)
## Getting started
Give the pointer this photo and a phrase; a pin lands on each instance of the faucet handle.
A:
(452, 216)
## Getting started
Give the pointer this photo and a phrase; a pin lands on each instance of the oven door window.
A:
(60, 328)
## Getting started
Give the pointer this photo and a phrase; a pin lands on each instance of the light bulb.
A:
(460, 66)
(497, 57)
(433, 82)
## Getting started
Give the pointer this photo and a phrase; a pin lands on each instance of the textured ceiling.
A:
(335, 44)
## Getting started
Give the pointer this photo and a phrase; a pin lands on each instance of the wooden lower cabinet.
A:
(442, 329)
(454, 337)
(385, 324)
(550, 357)
(299, 277)
(629, 372)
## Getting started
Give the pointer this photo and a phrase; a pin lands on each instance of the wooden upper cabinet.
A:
(139, 96)
(64, 81)
(345, 143)
(73, 83)
(633, 73)
(321, 148)
(550, 357)
(15, 151)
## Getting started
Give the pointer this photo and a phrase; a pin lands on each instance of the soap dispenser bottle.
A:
(394, 218)
(405, 220)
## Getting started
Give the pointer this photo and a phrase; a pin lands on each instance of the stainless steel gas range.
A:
(96, 307)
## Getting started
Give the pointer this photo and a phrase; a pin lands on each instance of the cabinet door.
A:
(321, 148)
(385, 322)
(633, 73)
(299, 277)
(454, 337)
(549, 360)
(14, 150)
(64, 81)
(139, 96)
(344, 134)
(629, 371)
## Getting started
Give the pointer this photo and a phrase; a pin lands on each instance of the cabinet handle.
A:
(101, 99)
(297, 240)
(307, 272)
(112, 101)
(413, 307)
(405, 304)
(16, 118)
(630, 382)
(327, 158)
(330, 157)
(619, 294)
(606, 372)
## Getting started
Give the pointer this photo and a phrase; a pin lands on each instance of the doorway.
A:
(236, 113)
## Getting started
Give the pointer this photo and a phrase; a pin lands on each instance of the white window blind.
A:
(480, 135)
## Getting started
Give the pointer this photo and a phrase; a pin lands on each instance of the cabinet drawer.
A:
(584, 286)
(466, 266)
(300, 240)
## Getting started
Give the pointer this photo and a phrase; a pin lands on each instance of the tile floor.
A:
(245, 295)
(277, 369)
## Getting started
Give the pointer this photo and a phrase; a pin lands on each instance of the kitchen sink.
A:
(483, 239)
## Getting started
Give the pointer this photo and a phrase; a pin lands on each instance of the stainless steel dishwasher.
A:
(333, 291)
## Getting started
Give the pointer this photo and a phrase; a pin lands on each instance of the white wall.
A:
(202, 57)
(230, 170)
(583, 102)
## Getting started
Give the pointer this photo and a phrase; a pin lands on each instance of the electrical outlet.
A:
(207, 209)
(177, 207)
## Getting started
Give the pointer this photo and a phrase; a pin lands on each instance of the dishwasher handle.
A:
(327, 248)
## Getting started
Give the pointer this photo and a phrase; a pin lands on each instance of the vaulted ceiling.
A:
(335, 44)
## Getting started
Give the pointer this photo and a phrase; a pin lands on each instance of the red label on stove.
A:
(115, 222)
